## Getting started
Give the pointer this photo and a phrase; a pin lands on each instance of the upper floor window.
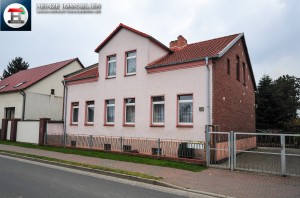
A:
(75, 112)
(238, 68)
(228, 66)
(90, 112)
(10, 113)
(130, 111)
(130, 63)
(111, 66)
(110, 112)
(185, 108)
(158, 110)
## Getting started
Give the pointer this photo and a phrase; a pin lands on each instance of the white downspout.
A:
(208, 92)
(65, 112)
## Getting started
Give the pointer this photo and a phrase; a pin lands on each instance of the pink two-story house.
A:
(142, 88)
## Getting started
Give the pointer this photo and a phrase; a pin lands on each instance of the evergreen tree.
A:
(14, 66)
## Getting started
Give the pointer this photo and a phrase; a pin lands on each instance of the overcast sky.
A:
(271, 28)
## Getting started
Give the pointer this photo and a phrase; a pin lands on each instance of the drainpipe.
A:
(65, 111)
(24, 101)
(208, 92)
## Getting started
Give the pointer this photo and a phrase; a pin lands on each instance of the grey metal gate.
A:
(259, 152)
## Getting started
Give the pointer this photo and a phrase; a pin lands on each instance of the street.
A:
(23, 178)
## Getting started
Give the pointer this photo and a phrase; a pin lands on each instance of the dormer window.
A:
(21, 83)
(130, 63)
(3, 86)
(111, 66)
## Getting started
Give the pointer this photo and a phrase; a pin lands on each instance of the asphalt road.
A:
(22, 178)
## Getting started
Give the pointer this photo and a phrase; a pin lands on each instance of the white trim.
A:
(129, 104)
(108, 65)
(87, 113)
(221, 53)
(185, 101)
(75, 107)
(106, 111)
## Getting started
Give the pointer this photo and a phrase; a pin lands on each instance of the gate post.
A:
(283, 160)
(207, 146)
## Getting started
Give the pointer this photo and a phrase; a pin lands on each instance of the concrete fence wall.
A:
(28, 131)
(8, 130)
(55, 128)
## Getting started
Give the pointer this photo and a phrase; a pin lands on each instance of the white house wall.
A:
(11, 100)
(141, 86)
(54, 81)
(43, 106)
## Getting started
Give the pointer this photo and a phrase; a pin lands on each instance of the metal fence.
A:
(147, 146)
(259, 152)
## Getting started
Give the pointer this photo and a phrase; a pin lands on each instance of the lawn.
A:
(113, 156)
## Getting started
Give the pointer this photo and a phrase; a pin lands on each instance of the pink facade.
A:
(182, 78)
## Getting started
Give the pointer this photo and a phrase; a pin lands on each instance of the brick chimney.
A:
(178, 44)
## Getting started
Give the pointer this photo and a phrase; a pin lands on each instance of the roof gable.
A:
(134, 31)
(25, 78)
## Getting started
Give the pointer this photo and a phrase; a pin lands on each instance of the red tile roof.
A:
(195, 51)
(32, 76)
(132, 30)
(88, 72)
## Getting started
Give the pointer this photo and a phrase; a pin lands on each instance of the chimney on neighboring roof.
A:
(179, 43)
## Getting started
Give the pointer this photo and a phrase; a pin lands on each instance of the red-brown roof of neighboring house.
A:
(25, 78)
(88, 72)
(132, 30)
(195, 51)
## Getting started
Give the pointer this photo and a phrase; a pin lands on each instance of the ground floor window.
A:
(10, 113)
(185, 109)
(75, 112)
(129, 111)
(110, 111)
(158, 110)
(90, 112)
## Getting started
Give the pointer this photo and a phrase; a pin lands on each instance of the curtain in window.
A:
(90, 114)
(130, 114)
(131, 65)
(75, 114)
(186, 112)
(112, 69)
(158, 113)
(110, 114)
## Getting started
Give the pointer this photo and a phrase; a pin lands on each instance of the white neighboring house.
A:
(36, 93)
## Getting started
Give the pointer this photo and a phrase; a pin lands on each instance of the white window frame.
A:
(87, 112)
(154, 103)
(108, 64)
(128, 58)
(75, 106)
(106, 109)
(126, 105)
(185, 101)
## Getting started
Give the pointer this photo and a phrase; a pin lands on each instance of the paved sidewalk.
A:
(224, 182)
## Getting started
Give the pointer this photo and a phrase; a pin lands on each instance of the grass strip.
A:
(113, 156)
(130, 173)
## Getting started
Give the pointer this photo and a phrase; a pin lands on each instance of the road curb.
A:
(113, 174)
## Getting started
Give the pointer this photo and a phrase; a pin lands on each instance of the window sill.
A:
(110, 77)
(86, 124)
(128, 125)
(109, 125)
(73, 124)
(127, 75)
(184, 126)
(157, 125)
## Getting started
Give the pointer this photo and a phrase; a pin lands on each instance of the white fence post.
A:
(283, 159)
(231, 150)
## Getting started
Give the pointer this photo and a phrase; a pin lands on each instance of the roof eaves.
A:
(81, 70)
(181, 62)
(83, 78)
